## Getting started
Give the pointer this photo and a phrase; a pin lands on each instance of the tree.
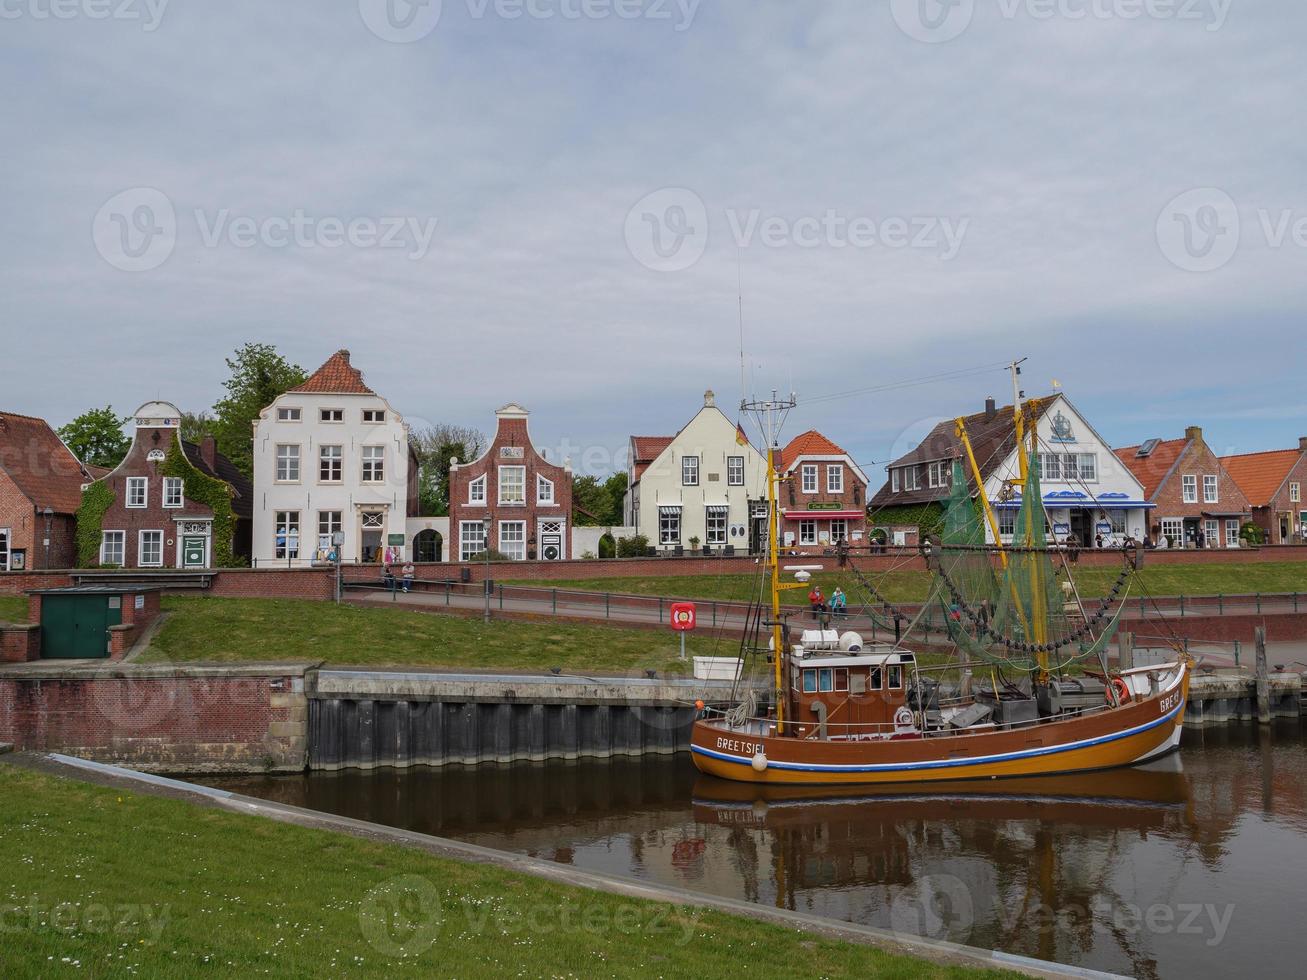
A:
(196, 425)
(258, 376)
(599, 504)
(97, 438)
(437, 446)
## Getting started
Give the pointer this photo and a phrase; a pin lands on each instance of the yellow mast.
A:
(1038, 613)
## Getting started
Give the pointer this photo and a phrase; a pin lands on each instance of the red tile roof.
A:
(44, 469)
(646, 450)
(337, 376)
(1260, 475)
(1151, 470)
(810, 443)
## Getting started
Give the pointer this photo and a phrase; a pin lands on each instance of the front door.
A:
(195, 551)
(372, 525)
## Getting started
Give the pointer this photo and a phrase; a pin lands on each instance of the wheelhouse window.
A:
(330, 462)
(835, 478)
(288, 415)
(689, 471)
(809, 478)
(173, 491)
(735, 471)
(150, 554)
(286, 535)
(807, 532)
(1189, 488)
(512, 540)
(137, 491)
(1211, 493)
(329, 525)
(288, 464)
(716, 525)
(476, 490)
(331, 415)
(820, 680)
(512, 486)
(895, 672)
(544, 490)
(669, 525)
(374, 464)
(471, 539)
(111, 547)
(374, 415)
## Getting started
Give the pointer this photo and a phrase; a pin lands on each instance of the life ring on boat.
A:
(903, 718)
(1122, 690)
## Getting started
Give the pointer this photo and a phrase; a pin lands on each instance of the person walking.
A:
(407, 574)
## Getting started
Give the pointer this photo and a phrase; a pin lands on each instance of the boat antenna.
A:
(739, 283)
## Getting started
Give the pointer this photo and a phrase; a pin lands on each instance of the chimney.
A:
(209, 453)
(1194, 433)
(709, 399)
(991, 409)
(1302, 443)
(344, 353)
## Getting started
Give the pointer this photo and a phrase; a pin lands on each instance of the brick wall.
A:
(161, 719)
(278, 583)
(1197, 460)
(27, 529)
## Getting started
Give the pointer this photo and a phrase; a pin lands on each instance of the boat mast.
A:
(1038, 614)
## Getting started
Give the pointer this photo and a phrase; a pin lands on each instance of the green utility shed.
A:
(80, 622)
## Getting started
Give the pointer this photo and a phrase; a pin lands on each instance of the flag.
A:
(740, 437)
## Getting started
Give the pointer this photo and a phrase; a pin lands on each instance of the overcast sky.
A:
(554, 203)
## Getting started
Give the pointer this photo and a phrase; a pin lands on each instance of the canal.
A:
(1191, 867)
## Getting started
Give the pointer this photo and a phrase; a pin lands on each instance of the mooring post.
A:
(1263, 682)
(1125, 650)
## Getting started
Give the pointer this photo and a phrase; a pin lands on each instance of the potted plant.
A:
(694, 543)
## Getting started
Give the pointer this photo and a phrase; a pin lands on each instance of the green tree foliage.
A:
(258, 376)
(96, 500)
(436, 446)
(97, 437)
(196, 425)
(599, 503)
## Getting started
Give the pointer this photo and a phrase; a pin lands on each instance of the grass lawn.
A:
(100, 882)
(911, 586)
(13, 608)
(212, 629)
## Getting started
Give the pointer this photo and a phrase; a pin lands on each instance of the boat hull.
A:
(1144, 729)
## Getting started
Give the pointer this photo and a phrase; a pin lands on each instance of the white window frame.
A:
(839, 530)
(140, 550)
(512, 540)
(476, 545)
(689, 471)
(735, 471)
(545, 490)
(808, 478)
(1117, 518)
(331, 416)
(291, 456)
(476, 490)
(1211, 489)
(1211, 532)
(283, 522)
(373, 465)
(1295, 493)
(290, 415)
(1232, 528)
(121, 538)
(715, 523)
(374, 416)
(326, 461)
(669, 526)
(808, 530)
(1176, 532)
(1007, 522)
(911, 478)
(517, 500)
(133, 482)
(894, 483)
(6, 537)
(1189, 488)
(330, 522)
(834, 477)
(1088, 467)
(171, 502)
(1050, 467)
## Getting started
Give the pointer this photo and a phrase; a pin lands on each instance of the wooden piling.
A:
(1125, 647)
(1263, 681)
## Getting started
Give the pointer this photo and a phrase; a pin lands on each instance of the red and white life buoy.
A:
(1122, 690)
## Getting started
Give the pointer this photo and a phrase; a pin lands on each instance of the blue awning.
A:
(1086, 503)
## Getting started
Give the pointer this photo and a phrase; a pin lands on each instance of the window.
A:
(1232, 534)
(374, 415)
(287, 534)
(895, 676)
(4, 549)
(669, 525)
(1117, 519)
(689, 471)
(1089, 467)
(374, 464)
(329, 464)
(809, 474)
(476, 490)
(874, 680)
(150, 554)
(735, 471)
(894, 481)
(512, 485)
(937, 474)
(544, 490)
(331, 415)
(1050, 466)
(835, 478)
(716, 525)
(1212, 533)
(288, 415)
(1211, 493)
(1173, 530)
(512, 540)
(329, 524)
(137, 491)
(839, 531)
(1295, 492)
(288, 464)
(111, 547)
(807, 532)
(471, 539)
(1007, 522)
(1189, 488)
(911, 478)
(809, 682)
(173, 489)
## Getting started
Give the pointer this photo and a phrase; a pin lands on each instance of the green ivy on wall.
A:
(96, 500)
(213, 493)
(929, 517)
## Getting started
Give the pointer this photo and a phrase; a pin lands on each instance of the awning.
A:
(1055, 503)
(716, 509)
(823, 515)
(669, 508)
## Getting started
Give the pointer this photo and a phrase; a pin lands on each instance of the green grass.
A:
(229, 630)
(100, 882)
(912, 586)
(13, 609)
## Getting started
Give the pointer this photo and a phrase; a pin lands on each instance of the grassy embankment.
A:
(229, 630)
(101, 882)
(911, 586)
(13, 608)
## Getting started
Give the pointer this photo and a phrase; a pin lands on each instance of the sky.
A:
(576, 205)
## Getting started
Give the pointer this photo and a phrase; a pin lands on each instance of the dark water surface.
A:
(1196, 866)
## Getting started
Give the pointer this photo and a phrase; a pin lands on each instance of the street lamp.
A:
(485, 585)
(49, 513)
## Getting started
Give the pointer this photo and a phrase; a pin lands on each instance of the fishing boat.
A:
(1014, 696)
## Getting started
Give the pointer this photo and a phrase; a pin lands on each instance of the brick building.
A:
(525, 499)
(155, 517)
(823, 494)
(40, 490)
(1196, 501)
(1273, 482)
